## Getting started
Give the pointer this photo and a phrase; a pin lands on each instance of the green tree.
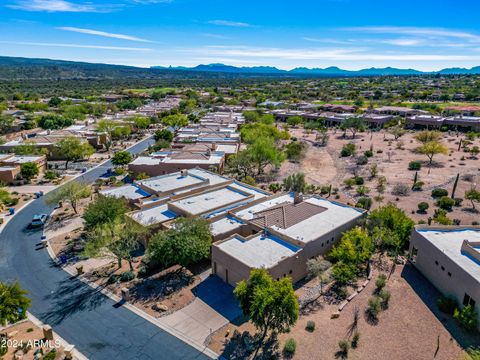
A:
(103, 210)
(140, 122)
(175, 120)
(271, 305)
(355, 247)
(466, 317)
(72, 149)
(241, 164)
(354, 124)
(263, 152)
(72, 192)
(29, 170)
(54, 101)
(121, 158)
(163, 134)
(474, 196)
(295, 150)
(397, 131)
(427, 136)
(395, 221)
(187, 242)
(119, 237)
(13, 303)
(108, 127)
(6, 123)
(294, 120)
(432, 148)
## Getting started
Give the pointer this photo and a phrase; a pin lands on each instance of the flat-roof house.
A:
(449, 257)
(280, 233)
(168, 161)
(10, 165)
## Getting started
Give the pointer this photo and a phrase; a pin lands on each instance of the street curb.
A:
(203, 349)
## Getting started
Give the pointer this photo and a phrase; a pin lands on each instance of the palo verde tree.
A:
(72, 149)
(270, 305)
(72, 192)
(354, 125)
(187, 242)
(13, 303)
(119, 237)
(103, 210)
(474, 196)
(107, 127)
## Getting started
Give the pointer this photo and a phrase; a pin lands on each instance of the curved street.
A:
(80, 314)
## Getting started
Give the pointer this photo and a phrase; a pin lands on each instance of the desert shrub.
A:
(349, 183)
(423, 207)
(50, 355)
(368, 153)
(344, 347)
(355, 339)
(359, 180)
(447, 304)
(439, 192)
(347, 150)
(310, 325)
(325, 189)
(364, 203)
(249, 180)
(50, 175)
(414, 165)
(363, 190)
(384, 295)
(381, 281)
(418, 186)
(474, 353)
(400, 190)
(440, 217)
(362, 160)
(466, 318)
(475, 223)
(458, 201)
(374, 307)
(127, 276)
(290, 346)
(445, 203)
(275, 187)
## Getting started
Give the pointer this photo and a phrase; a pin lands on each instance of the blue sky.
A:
(351, 34)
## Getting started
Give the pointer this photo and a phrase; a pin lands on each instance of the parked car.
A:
(39, 220)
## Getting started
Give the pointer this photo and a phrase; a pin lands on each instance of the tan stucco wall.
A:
(459, 283)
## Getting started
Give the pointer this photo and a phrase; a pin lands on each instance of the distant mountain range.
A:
(329, 71)
(17, 68)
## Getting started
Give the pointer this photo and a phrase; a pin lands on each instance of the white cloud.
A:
(420, 31)
(54, 6)
(321, 54)
(229, 23)
(214, 36)
(103, 33)
(81, 46)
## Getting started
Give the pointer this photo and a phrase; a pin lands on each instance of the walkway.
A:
(83, 316)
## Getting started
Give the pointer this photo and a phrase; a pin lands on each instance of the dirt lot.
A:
(411, 327)
(324, 166)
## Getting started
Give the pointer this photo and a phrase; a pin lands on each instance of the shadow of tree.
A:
(429, 295)
(72, 296)
(157, 288)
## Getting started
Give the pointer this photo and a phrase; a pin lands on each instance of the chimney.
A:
(214, 146)
(297, 197)
(184, 172)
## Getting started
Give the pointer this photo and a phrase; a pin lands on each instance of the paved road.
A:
(81, 315)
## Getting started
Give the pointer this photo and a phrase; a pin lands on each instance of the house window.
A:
(436, 262)
(442, 267)
(467, 300)
(290, 272)
(328, 241)
(323, 244)
(449, 274)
